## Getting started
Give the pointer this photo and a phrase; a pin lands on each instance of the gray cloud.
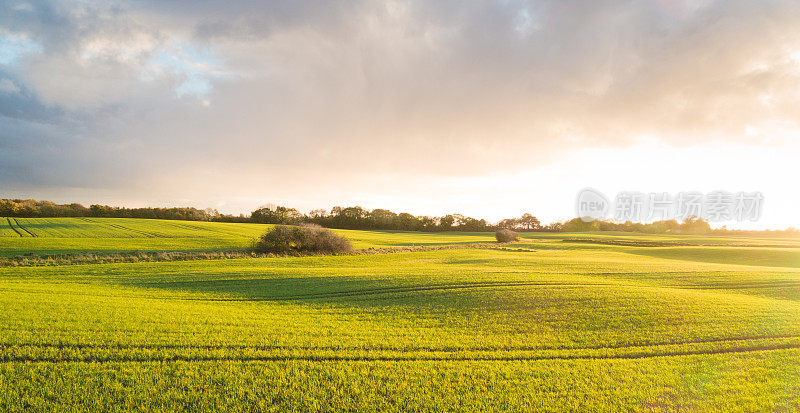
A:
(309, 94)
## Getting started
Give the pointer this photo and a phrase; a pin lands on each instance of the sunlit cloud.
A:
(397, 101)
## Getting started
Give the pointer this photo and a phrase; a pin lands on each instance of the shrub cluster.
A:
(506, 235)
(303, 239)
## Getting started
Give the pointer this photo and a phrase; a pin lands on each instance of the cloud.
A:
(155, 95)
(7, 86)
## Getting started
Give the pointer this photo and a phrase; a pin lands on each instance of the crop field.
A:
(581, 322)
(20, 236)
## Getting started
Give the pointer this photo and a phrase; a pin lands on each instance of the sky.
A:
(486, 108)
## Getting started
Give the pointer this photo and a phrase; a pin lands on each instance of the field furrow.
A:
(16, 222)
(63, 356)
(13, 228)
(795, 338)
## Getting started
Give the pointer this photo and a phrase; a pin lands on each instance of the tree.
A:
(429, 224)
(472, 224)
(446, 222)
(695, 225)
(350, 217)
(508, 223)
(303, 239)
(7, 208)
(383, 219)
(578, 225)
(408, 222)
(529, 222)
(276, 215)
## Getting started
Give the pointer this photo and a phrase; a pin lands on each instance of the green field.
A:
(20, 236)
(581, 322)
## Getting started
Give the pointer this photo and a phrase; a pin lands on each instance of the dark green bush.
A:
(506, 235)
(303, 239)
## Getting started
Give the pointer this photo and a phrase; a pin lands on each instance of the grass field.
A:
(582, 322)
(78, 235)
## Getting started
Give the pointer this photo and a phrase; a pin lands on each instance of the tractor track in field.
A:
(332, 294)
(378, 358)
(395, 290)
(10, 225)
(207, 230)
(24, 229)
(405, 349)
(403, 289)
(445, 287)
(201, 229)
(186, 226)
(135, 231)
(211, 230)
(746, 286)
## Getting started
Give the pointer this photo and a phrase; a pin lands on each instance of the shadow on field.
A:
(265, 289)
(505, 302)
(487, 293)
(597, 308)
(765, 257)
(335, 288)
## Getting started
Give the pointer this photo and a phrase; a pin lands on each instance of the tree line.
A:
(357, 217)
(690, 225)
(338, 217)
(31, 208)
